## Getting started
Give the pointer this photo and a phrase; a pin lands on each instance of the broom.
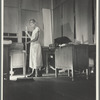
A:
(25, 78)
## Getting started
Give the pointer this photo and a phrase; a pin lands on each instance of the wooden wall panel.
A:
(46, 4)
(90, 22)
(84, 20)
(57, 3)
(68, 19)
(31, 5)
(11, 3)
(57, 23)
(94, 21)
(10, 20)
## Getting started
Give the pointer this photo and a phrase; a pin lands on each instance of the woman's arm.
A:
(35, 39)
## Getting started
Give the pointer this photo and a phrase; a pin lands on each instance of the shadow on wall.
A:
(67, 31)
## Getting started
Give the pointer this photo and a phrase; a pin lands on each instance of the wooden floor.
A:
(50, 88)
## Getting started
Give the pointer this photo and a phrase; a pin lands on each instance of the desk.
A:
(72, 57)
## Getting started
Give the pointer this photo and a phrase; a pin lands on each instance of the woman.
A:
(35, 57)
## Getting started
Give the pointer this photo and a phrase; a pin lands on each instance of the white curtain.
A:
(47, 27)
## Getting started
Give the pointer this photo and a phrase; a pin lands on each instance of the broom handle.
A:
(26, 52)
(26, 42)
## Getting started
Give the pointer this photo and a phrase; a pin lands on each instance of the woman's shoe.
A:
(39, 73)
(31, 75)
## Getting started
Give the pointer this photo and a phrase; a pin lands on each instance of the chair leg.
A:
(11, 72)
(56, 72)
(72, 75)
(24, 71)
(68, 72)
(11, 67)
(87, 72)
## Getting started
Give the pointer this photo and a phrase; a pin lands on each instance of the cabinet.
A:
(17, 60)
(92, 59)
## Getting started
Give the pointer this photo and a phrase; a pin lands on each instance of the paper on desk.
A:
(62, 45)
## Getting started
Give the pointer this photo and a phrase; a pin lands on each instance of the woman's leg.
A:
(32, 74)
(36, 72)
(40, 72)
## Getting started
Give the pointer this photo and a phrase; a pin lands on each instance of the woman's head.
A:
(32, 22)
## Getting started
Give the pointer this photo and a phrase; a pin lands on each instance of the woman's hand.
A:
(26, 31)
